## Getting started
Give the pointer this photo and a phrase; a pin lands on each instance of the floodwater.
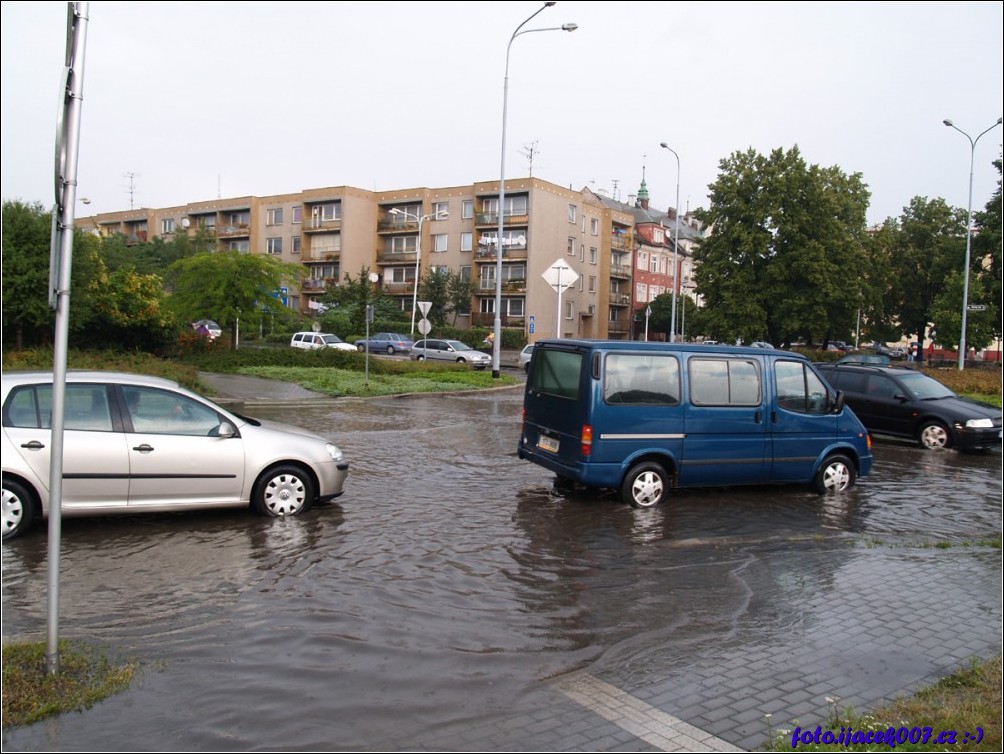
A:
(448, 582)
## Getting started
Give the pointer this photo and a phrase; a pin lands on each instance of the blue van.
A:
(643, 418)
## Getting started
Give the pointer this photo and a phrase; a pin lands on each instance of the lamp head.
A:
(394, 211)
(550, 3)
(947, 122)
(664, 145)
(569, 27)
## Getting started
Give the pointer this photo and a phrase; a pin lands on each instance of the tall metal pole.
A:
(497, 343)
(969, 234)
(418, 272)
(67, 142)
(676, 244)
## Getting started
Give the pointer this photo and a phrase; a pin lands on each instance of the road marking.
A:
(638, 718)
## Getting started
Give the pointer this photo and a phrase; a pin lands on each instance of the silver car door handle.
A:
(144, 448)
(33, 445)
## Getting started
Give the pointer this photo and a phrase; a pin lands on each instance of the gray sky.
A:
(202, 99)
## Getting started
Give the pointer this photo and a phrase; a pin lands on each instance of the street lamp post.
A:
(969, 234)
(497, 343)
(418, 255)
(676, 243)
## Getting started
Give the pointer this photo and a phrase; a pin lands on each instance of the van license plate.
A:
(547, 443)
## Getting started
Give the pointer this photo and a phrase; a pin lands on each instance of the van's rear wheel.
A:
(835, 475)
(645, 485)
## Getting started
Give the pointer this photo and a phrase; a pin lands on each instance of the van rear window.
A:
(639, 378)
(556, 372)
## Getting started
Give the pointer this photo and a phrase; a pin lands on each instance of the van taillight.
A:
(587, 440)
(522, 422)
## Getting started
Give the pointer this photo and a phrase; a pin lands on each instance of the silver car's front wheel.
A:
(283, 491)
(18, 509)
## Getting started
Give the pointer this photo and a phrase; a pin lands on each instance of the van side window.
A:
(556, 373)
(636, 378)
(799, 388)
(724, 382)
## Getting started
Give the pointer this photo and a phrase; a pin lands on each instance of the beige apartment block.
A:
(339, 231)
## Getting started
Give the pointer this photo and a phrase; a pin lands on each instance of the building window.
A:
(296, 245)
(572, 213)
(592, 284)
(659, 236)
(569, 309)
(654, 263)
(273, 216)
(438, 269)
(593, 256)
(465, 272)
(273, 245)
(166, 226)
(439, 242)
(594, 226)
(243, 246)
(467, 209)
(642, 260)
(440, 209)
(571, 247)
(466, 241)
(297, 215)
(641, 292)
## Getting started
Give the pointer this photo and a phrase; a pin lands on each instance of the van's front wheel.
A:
(645, 485)
(835, 475)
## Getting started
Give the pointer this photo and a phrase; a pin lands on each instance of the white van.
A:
(314, 340)
(643, 418)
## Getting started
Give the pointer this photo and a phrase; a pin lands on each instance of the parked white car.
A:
(315, 340)
(134, 444)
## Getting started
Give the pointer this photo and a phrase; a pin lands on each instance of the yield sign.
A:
(560, 275)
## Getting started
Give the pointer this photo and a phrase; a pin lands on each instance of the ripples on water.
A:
(448, 578)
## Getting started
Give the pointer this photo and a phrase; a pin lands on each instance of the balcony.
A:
(620, 271)
(397, 257)
(233, 231)
(136, 237)
(398, 289)
(491, 219)
(622, 242)
(620, 299)
(321, 255)
(320, 224)
(396, 224)
(515, 285)
(313, 285)
(481, 319)
(619, 325)
(488, 254)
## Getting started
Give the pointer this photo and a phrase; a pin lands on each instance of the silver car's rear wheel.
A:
(283, 491)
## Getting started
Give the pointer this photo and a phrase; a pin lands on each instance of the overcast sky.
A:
(189, 101)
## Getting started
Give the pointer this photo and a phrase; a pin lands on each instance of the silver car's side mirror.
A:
(226, 429)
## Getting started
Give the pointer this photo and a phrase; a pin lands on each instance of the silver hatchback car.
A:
(449, 350)
(133, 443)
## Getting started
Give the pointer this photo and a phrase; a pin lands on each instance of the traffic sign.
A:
(424, 306)
(560, 275)
(424, 326)
(977, 307)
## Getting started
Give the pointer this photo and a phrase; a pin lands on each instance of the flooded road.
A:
(449, 583)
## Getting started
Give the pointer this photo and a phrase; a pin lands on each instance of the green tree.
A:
(129, 310)
(27, 318)
(946, 311)
(786, 252)
(434, 288)
(926, 247)
(459, 290)
(351, 297)
(229, 285)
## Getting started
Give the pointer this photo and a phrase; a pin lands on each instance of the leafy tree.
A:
(228, 285)
(459, 290)
(129, 310)
(351, 297)
(27, 318)
(946, 311)
(434, 289)
(986, 253)
(926, 247)
(786, 252)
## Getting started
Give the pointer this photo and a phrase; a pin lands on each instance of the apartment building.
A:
(401, 235)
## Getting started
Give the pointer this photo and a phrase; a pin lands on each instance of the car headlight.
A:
(333, 451)
(980, 424)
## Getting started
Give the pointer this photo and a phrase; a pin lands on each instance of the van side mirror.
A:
(838, 402)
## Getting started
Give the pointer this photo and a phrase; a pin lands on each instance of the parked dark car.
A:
(906, 403)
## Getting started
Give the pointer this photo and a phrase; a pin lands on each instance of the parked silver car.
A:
(449, 350)
(133, 443)
(524, 357)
